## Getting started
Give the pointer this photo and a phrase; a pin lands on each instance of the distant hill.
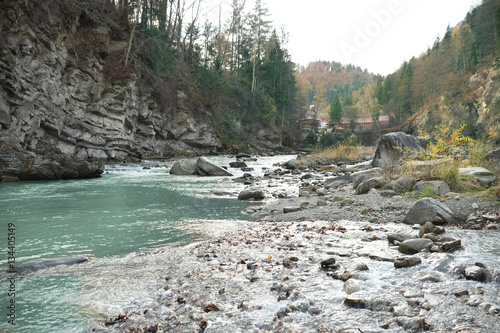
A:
(324, 79)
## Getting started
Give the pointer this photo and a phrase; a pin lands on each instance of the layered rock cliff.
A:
(53, 92)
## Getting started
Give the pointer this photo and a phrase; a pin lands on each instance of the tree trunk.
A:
(125, 13)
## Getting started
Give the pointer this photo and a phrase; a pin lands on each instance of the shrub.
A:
(311, 138)
(352, 140)
(428, 192)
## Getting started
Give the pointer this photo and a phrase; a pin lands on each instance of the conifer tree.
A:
(335, 110)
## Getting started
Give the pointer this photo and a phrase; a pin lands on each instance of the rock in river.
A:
(251, 193)
(202, 166)
(407, 262)
(39, 264)
(412, 246)
(211, 168)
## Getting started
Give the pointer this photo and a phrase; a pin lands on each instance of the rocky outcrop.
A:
(391, 148)
(54, 93)
(45, 163)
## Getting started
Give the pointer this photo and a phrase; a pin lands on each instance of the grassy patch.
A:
(342, 153)
(428, 192)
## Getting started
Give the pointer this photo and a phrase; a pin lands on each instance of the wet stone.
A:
(381, 257)
(429, 277)
(355, 302)
(287, 210)
(477, 273)
(451, 245)
(329, 265)
(351, 286)
(399, 238)
(407, 262)
(412, 246)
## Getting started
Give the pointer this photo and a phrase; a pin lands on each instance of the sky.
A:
(378, 35)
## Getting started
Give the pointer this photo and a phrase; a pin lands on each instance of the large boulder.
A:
(337, 181)
(401, 184)
(482, 176)
(429, 210)
(184, 167)
(211, 168)
(412, 246)
(292, 164)
(252, 193)
(391, 148)
(45, 163)
(202, 166)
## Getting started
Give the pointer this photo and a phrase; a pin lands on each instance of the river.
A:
(131, 210)
(141, 226)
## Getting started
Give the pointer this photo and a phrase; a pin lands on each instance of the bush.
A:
(428, 192)
(327, 140)
(311, 138)
(452, 177)
(444, 155)
(352, 140)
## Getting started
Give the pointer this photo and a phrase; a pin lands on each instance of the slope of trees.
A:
(324, 80)
(443, 71)
(237, 69)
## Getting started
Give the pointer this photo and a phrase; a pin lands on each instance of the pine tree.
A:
(335, 110)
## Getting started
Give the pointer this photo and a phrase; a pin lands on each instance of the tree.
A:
(336, 110)
(260, 28)
(375, 113)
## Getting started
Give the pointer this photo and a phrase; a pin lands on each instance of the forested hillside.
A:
(322, 80)
(453, 82)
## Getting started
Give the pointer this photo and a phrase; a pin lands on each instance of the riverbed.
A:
(177, 254)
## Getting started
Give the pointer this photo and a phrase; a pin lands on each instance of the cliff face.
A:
(52, 93)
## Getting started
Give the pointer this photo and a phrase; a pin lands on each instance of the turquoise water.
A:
(128, 211)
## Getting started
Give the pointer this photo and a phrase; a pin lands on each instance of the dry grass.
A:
(343, 153)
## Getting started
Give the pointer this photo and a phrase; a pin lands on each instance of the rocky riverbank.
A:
(324, 259)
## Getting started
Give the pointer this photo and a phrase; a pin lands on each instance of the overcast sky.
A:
(378, 35)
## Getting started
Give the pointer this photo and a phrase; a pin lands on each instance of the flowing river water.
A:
(134, 222)
(132, 209)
